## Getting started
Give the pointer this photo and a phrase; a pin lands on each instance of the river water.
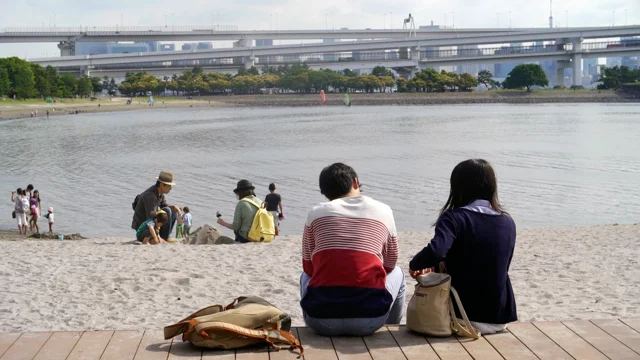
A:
(557, 165)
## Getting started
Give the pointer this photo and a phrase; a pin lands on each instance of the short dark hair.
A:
(246, 192)
(29, 187)
(19, 191)
(186, 209)
(272, 187)
(471, 180)
(161, 217)
(336, 180)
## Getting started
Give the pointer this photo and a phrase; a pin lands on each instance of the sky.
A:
(304, 14)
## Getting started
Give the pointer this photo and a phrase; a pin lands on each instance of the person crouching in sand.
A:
(148, 232)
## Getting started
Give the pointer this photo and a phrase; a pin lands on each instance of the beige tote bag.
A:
(430, 310)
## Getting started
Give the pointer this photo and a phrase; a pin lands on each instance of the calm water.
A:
(557, 164)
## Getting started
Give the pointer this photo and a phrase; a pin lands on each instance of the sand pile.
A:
(207, 235)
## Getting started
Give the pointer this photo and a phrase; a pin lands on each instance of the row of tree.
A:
(615, 77)
(25, 80)
(21, 79)
(296, 78)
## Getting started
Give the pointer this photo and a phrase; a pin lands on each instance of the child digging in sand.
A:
(148, 232)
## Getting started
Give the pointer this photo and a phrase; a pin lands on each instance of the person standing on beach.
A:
(29, 191)
(274, 202)
(187, 220)
(350, 284)
(147, 204)
(36, 210)
(21, 208)
(475, 238)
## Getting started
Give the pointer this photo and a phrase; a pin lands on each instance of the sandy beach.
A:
(110, 283)
(18, 109)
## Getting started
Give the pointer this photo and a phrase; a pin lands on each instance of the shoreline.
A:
(15, 109)
(556, 273)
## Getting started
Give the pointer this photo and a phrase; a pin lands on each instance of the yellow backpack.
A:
(263, 228)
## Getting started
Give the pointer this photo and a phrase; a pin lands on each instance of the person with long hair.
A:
(475, 238)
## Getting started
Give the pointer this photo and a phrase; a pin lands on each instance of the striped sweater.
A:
(348, 247)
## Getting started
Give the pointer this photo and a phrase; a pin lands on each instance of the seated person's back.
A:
(350, 284)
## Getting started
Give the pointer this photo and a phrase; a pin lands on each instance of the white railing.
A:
(98, 30)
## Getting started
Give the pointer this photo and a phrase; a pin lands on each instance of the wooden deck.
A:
(596, 339)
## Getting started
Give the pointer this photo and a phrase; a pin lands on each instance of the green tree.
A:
(96, 85)
(402, 84)
(485, 77)
(42, 85)
(466, 82)
(615, 77)
(381, 71)
(5, 85)
(526, 76)
(84, 87)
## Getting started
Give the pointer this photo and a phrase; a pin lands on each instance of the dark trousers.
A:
(240, 239)
(167, 229)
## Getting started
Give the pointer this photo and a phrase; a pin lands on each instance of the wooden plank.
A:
(509, 346)
(620, 331)
(537, 341)
(480, 349)
(316, 347)
(414, 346)
(632, 323)
(123, 345)
(218, 354)
(91, 345)
(6, 340)
(383, 346)
(253, 353)
(350, 348)
(285, 354)
(26, 346)
(153, 346)
(568, 340)
(184, 350)
(602, 341)
(59, 346)
(448, 348)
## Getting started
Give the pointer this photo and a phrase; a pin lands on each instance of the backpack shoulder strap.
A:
(466, 329)
(251, 202)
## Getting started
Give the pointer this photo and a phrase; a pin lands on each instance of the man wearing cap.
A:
(152, 200)
(244, 213)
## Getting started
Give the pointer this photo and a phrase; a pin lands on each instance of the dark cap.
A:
(244, 185)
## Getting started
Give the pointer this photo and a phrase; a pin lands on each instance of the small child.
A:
(180, 227)
(148, 232)
(186, 219)
(50, 217)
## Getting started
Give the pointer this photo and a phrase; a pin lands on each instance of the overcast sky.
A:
(303, 14)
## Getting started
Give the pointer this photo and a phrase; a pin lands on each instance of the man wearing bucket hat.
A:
(244, 213)
(151, 200)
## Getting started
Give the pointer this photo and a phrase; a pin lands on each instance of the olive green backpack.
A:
(246, 321)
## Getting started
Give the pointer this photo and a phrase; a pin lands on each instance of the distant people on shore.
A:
(51, 219)
(244, 213)
(274, 203)
(350, 283)
(147, 233)
(187, 221)
(21, 208)
(147, 204)
(475, 238)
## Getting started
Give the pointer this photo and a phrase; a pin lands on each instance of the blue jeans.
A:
(167, 229)
(395, 285)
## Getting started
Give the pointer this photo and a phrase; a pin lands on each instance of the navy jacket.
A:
(477, 249)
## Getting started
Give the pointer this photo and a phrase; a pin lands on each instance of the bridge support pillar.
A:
(243, 43)
(67, 48)
(416, 53)
(249, 61)
(576, 62)
(559, 75)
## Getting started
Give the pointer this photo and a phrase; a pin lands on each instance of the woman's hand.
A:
(416, 273)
